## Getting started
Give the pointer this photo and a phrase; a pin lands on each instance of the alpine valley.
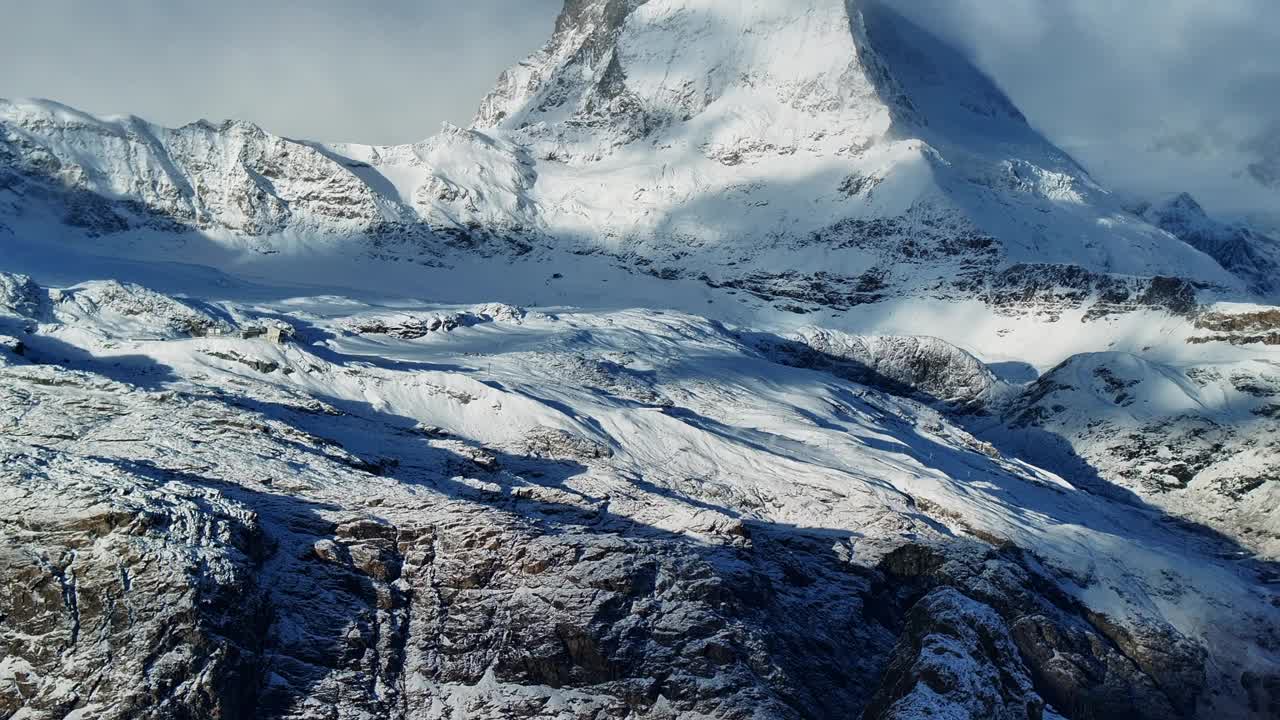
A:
(744, 359)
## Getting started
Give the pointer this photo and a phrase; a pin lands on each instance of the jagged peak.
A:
(228, 125)
(1183, 202)
(629, 68)
(1245, 251)
(27, 112)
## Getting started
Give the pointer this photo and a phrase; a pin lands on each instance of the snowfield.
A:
(695, 379)
(640, 427)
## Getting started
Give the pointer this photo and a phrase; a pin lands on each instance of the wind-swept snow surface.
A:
(440, 512)
(741, 360)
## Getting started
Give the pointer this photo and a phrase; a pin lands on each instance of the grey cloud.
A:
(1152, 95)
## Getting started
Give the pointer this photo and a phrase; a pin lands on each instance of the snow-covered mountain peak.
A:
(40, 115)
(1249, 253)
(793, 75)
(839, 74)
(729, 131)
(115, 173)
(823, 151)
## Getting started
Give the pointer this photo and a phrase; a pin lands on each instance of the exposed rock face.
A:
(991, 638)
(928, 368)
(1261, 326)
(20, 296)
(1244, 251)
(124, 601)
(246, 603)
(561, 445)
(226, 545)
(1049, 290)
(956, 658)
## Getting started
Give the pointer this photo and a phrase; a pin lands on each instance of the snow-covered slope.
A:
(562, 514)
(836, 390)
(1200, 440)
(868, 160)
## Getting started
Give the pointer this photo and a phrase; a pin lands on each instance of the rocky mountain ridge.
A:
(1238, 247)
(878, 158)
(596, 524)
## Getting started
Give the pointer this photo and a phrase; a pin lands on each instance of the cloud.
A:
(1151, 95)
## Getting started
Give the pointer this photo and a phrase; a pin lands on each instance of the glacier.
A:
(740, 360)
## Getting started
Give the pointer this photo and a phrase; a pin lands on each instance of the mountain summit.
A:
(836, 132)
(822, 150)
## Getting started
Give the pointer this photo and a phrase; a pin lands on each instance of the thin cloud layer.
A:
(1152, 95)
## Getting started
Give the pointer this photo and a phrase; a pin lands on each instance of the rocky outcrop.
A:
(407, 326)
(923, 367)
(154, 591)
(956, 657)
(125, 305)
(562, 445)
(1260, 326)
(127, 604)
(181, 565)
(107, 306)
(1200, 441)
(234, 602)
(992, 636)
(21, 296)
(1051, 290)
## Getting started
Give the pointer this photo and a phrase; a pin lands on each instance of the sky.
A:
(382, 71)
(1152, 96)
